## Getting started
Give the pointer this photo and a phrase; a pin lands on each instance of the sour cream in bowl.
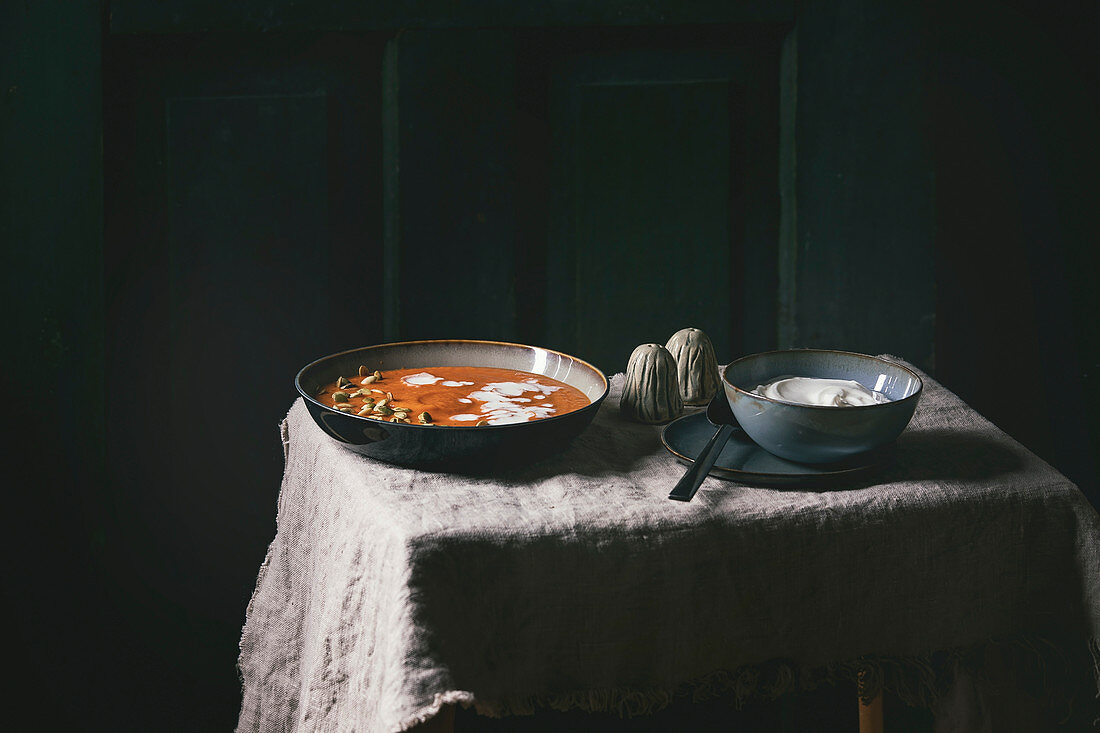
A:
(820, 392)
(821, 406)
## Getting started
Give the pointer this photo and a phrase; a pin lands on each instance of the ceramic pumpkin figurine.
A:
(696, 365)
(651, 393)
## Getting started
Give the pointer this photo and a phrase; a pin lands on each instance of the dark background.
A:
(198, 198)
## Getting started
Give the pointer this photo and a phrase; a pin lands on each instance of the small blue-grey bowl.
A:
(819, 434)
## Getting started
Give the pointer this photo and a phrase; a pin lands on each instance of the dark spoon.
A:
(720, 416)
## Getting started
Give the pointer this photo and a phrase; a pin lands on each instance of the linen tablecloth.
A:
(575, 583)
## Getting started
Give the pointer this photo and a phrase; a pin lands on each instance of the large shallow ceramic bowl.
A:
(444, 447)
(814, 434)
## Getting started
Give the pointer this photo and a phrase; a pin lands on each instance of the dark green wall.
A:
(198, 198)
(51, 350)
(863, 270)
(1017, 106)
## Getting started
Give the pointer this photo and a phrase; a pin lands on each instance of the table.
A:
(389, 594)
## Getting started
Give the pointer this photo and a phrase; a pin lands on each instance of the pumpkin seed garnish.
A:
(377, 391)
(479, 423)
(377, 374)
(424, 418)
(370, 379)
(340, 396)
(363, 371)
(345, 408)
(343, 382)
(382, 410)
(383, 403)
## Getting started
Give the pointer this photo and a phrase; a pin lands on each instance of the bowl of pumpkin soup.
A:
(452, 404)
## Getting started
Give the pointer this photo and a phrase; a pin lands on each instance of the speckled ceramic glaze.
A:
(651, 393)
(696, 365)
(476, 449)
(812, 434)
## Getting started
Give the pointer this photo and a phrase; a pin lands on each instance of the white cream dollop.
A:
(503, 403)
(820, 392)
(424, 378)
(417, 380)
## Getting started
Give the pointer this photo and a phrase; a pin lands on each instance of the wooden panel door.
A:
(584, 189)
(243, 240)
(666, 204)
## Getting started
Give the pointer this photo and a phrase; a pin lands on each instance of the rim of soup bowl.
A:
(592, 402)
(916, 394)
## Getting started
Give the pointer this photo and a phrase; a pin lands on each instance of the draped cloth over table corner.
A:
(574, 583)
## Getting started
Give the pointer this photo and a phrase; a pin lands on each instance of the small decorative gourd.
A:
(696, 365)
(651, 393)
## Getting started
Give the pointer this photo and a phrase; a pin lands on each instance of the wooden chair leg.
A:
(444, 722)
(870, 712)
(870, 716)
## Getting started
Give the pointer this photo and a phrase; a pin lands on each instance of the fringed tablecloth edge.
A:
(451, 697)
(284, 439)
(915, 680)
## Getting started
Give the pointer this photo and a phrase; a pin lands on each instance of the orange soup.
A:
(467, 396)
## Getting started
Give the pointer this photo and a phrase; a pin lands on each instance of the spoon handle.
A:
(693, 478)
